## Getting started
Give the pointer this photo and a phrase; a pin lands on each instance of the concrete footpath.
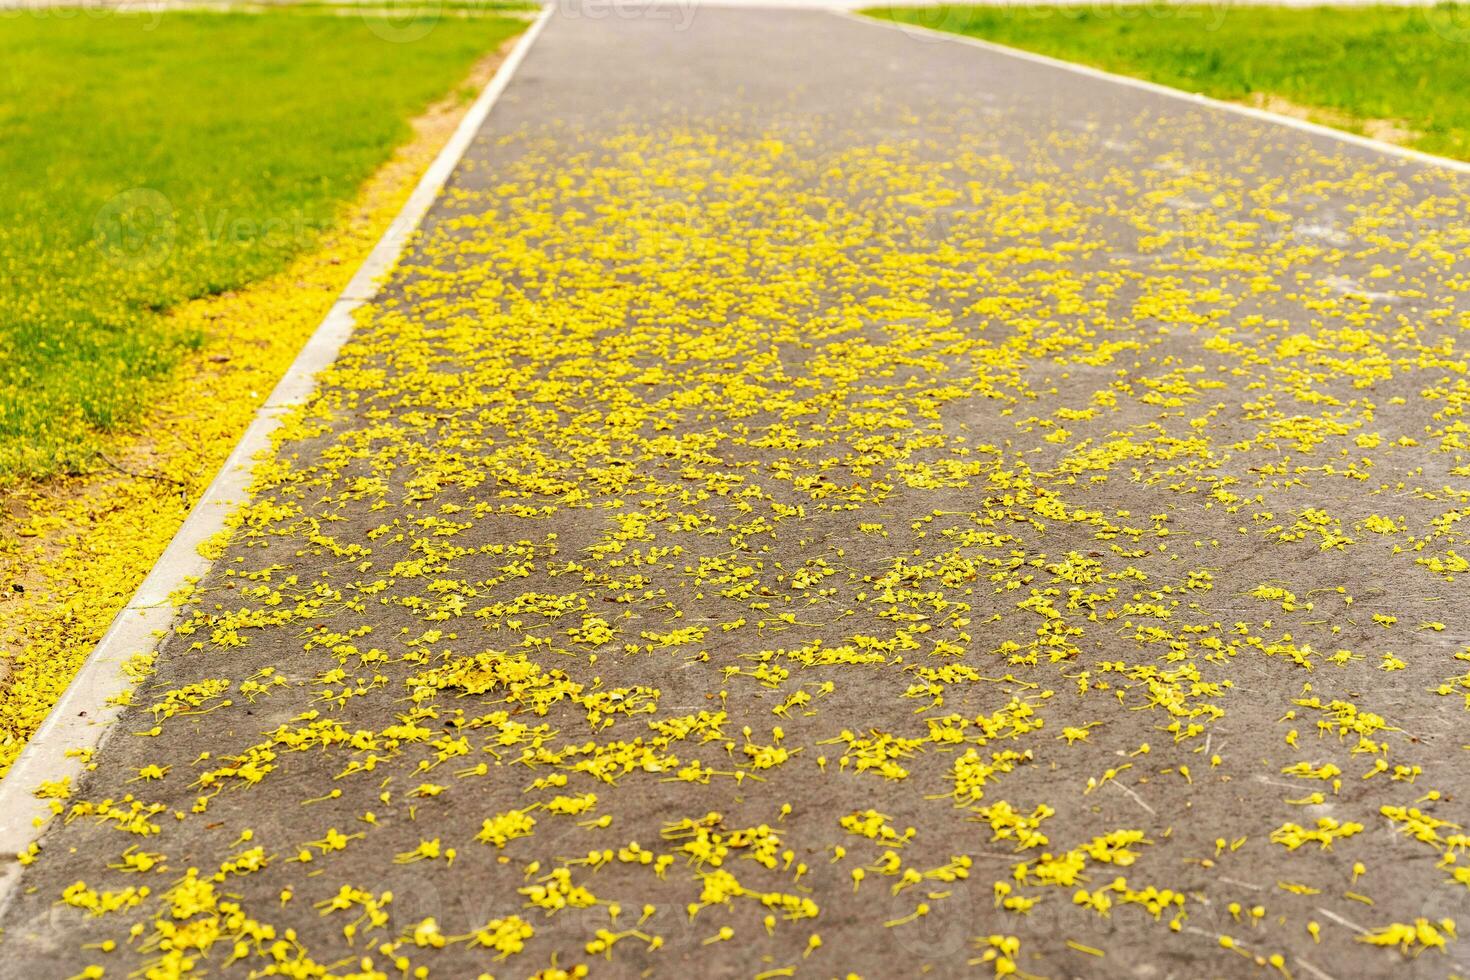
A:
(817, 499)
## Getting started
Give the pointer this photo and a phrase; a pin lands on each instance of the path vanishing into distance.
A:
(819, 500)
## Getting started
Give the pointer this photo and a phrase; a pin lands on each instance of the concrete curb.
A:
(1341, 136)
(83, 717)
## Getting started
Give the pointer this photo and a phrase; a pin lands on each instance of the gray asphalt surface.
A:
(1013, 385)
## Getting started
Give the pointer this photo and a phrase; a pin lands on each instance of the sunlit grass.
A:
(150, 158)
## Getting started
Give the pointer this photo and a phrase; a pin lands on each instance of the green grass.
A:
(149, 159)
(1411, 65)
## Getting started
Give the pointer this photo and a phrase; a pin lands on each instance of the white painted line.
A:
(1341, 136)
(83, 717)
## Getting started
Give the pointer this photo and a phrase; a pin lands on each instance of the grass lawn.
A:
(149, 159)
(1393, 72)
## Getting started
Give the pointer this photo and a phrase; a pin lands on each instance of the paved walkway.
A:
(818, 500)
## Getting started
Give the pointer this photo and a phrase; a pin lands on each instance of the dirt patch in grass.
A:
(1388, 130)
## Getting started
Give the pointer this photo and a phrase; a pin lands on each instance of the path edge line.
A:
(84, 715)
(1196, 98)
